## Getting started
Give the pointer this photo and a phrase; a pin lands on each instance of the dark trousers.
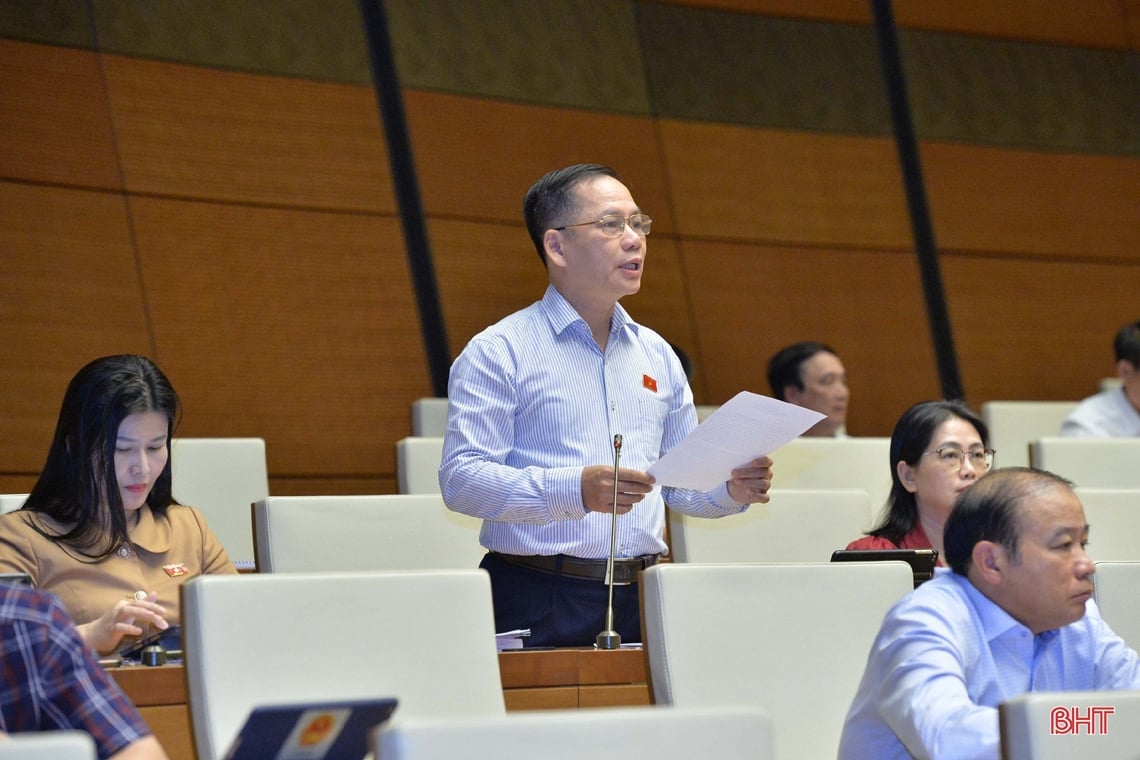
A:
(560, 611)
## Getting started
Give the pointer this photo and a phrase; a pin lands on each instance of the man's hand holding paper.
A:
(732, 445)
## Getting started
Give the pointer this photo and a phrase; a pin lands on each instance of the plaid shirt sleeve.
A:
(49, 680)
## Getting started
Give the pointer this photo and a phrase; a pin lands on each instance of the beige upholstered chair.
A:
(308, 534)
(660, 733)
(792, 639)
(10, 502)
(1015, 424)
(849, 463)
(1043, 725)
(796, 525)
(417, 464)
(1116, 584)
(222, 477)
(429, 416)
(426, 638)
(1090, 462)
(1113, 515)
(49, 745)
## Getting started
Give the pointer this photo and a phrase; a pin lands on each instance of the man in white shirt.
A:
(535, 402)
(1114, 413)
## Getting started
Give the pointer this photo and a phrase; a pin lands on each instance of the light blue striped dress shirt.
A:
(533, 400)
(946, 657)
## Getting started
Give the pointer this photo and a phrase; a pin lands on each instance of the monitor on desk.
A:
(921, 561)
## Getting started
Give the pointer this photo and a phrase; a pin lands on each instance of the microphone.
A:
(609, 638)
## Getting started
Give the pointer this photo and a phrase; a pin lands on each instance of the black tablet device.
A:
(921, 561)
(170, 639)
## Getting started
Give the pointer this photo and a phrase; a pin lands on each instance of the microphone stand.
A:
(609, 638)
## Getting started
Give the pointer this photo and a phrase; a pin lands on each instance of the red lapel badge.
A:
(175, 571)
(649, 382)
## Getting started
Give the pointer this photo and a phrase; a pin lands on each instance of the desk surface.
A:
(532, 680)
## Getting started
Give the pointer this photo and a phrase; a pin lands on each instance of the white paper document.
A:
(748, 426)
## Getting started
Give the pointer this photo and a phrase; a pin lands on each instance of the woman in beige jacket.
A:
(100, 528)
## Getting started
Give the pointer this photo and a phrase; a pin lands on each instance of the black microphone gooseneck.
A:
(609, 638)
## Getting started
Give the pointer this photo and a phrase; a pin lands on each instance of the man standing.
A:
(535, 403)
(810, 374)
(1113, 413)
(1014, 615)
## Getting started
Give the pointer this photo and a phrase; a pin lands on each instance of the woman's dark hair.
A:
(909, 440)
(79, 475)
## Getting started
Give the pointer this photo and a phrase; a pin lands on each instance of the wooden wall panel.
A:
(779, 186)
(196, 132)
(477, 158)
(54, 123)
(1035, 329)
(990, 199)
(296, 326)
(69, 293)
(1091, 23)
(749, 301)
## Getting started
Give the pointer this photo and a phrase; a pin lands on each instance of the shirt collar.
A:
(562, 315)
(995, 621)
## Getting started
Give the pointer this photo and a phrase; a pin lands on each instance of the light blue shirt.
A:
(533, 400)
(946, 657)
(1109, 414)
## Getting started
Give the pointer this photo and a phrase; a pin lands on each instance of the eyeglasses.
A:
(613, 225)
(952, 458)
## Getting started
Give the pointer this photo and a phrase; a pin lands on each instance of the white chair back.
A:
(1109, 383)
(1113, 515)
(222, 477)
(308, 534)
(48, 745)
(796, 525)
(1062, 725)
(10, 502)
(429, 416)
(792, 639)
(1115, 591)
(661, 733)
(1090, 462)
(1015, 424)
(849, 463)
(705, 410)
(417, 464)
(426, 638)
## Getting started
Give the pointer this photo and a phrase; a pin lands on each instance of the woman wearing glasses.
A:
(938, 450)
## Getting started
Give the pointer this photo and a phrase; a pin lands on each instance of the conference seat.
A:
(222, 477)
(1113, 515)
(660, 733)
(1014, 425)
(1115, 585)
(1090, 462)
(426, 638)
(1063, 725)
(48, 745)
(792, 639)
(429, 416)
(417, 464)
(849, 463)
(796, 525)
(304, 534)
(10, 502)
